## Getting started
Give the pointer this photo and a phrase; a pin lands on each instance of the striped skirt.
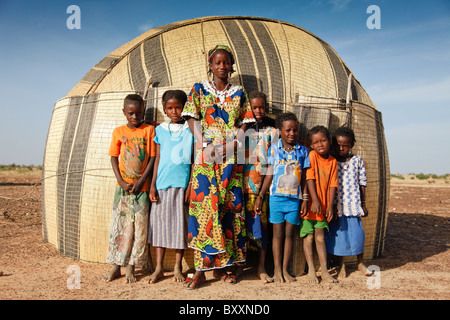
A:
(168, 220)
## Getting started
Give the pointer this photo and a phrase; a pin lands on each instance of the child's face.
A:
(343, 145)
(289, 131)
(173, 109)
(220, 65)
(320, 143)
(134, 112)
(258, 107)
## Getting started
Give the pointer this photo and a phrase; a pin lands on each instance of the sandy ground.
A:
(414, 264)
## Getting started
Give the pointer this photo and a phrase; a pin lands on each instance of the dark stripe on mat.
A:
(259, 58)
(155, 63)
(339, 71)
(63, 165)
(137, 75)
(241, 53)
(381, 220)
(70, 185)
(275, 67)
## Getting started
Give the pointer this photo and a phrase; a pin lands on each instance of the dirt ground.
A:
(414, 264)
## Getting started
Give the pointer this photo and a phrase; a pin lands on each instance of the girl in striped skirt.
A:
(169, 191)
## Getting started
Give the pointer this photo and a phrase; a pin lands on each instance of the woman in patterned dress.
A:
(217, 113)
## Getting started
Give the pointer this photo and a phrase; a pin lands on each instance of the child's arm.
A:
(329, 212)
(267, 180)
(187, 194)
(304, 189)
(136, 186)
(362, 191)
(122, 183)
(153, 192)
(195, 127)
(315, 203)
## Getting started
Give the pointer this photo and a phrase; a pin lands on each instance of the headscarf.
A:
(220, 47)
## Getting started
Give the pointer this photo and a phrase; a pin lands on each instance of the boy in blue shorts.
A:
(285, 179)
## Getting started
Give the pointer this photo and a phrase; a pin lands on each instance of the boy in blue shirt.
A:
(285, 180)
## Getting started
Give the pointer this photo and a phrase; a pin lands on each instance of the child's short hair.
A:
(257, 94)
(285, 117)
(180, 95)
(345, 132)
(133, 97)
(317, 129)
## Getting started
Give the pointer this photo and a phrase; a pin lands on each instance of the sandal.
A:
(225, 276)
(193, 281)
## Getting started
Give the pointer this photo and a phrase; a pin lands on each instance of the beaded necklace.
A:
(178, 130)
(220, 95)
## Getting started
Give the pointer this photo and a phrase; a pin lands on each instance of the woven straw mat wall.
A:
(298, 71)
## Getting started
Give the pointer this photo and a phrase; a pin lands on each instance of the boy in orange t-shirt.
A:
(132, 152)
(322, 182)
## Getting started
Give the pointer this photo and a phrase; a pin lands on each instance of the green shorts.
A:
(308, 226)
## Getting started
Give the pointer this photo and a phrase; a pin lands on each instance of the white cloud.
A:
(146, 26)
(339, 5)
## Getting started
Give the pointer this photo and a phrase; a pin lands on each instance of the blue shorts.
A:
(283, 209)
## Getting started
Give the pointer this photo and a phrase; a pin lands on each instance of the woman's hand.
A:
(225, 151)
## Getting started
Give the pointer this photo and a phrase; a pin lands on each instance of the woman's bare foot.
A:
(193, 283)
(156, 275)
(112, 274)
(178, 275)
(129, 274)
(362, 267)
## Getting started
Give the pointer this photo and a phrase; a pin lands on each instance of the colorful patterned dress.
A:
(216, 228)
(261, 136)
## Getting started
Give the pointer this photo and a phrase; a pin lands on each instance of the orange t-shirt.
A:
(133, 147)
(324, 172)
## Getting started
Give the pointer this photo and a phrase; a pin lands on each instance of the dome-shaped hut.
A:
(298, 71)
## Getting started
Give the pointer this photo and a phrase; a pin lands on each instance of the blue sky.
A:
(404, 66)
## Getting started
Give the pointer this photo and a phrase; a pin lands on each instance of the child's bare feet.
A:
(342, 273)
(261, 272)
(112, 274)
(278, 276)
(287, 277)
(362, 267)
(156, 275)
(129, 274)
(326, 277)
(178, 275)
(312, 278)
